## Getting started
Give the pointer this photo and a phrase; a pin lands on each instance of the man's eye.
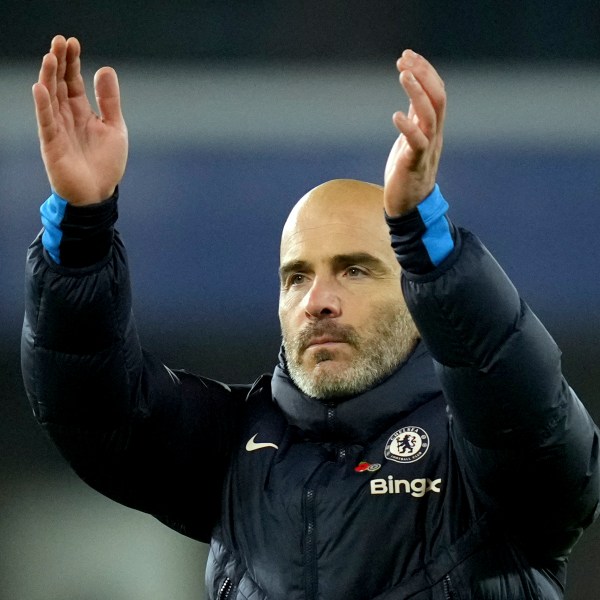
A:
(297, 279)
(355, 272)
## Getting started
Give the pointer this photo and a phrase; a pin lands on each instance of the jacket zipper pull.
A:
(225, 589)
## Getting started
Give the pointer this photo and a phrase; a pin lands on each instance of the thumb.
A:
(108, 98)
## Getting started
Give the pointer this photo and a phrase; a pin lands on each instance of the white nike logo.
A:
(252, 445)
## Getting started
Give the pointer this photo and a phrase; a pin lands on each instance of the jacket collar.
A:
(358, 418)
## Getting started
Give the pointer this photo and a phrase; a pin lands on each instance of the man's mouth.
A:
(324, 335)
(325, 340)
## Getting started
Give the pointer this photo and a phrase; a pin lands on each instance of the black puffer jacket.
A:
(469, 473)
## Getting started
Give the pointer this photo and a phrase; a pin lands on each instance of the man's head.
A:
(344, 322)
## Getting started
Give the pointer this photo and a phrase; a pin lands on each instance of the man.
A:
(416, 439)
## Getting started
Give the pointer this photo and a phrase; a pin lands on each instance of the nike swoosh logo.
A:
(252, 445)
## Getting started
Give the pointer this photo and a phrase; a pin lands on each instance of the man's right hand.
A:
(84, 154)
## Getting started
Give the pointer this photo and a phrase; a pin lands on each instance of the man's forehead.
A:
(323, 240)
(349, 233)
(338, 195)
(336, 206)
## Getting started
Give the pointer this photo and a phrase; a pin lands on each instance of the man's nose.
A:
(322, 299)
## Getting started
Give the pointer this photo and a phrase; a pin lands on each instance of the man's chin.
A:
(325, 379)
(328, 370)
(331, 353)
(326, 362)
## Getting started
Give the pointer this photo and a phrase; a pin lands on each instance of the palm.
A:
(84, 155)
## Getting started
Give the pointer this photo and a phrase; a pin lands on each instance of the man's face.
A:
(344, 322)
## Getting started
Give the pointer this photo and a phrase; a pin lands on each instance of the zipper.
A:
(448, 589)
(310, 574)
(330, 418)
(316, 482)
(225, 589)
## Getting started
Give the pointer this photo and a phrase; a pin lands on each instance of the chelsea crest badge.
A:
(407, 445)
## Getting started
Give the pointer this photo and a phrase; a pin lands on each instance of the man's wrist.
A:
(423, 237)
(78, 236)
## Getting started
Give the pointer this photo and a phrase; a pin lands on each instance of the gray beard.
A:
(387, 344)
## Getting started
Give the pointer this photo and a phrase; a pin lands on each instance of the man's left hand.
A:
(411, 169)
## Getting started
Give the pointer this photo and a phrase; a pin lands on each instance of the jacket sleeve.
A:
(526, 443)
(129, 426)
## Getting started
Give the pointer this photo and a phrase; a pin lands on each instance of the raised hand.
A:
(84, 153)
(411, 168)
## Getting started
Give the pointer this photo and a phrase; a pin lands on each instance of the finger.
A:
(421, 107)
(59, 49)
(75, 86)
(43, 112)
(427, 76)
(72, 74)
(47, 75)
(106, 87)
(411, 131)
(413, 61)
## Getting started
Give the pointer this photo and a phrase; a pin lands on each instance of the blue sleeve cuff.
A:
(437, 237)
(53, 212)
(78, 236)
(423, 237)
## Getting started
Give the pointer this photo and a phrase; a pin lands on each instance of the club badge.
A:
(407, 445)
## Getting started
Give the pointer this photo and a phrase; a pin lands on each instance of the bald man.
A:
(416, 439)
(335, 253)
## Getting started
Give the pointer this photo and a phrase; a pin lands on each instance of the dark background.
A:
(235, 110)
(325, 30)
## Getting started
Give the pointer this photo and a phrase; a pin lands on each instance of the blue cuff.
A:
(53, 212)
(437, 238)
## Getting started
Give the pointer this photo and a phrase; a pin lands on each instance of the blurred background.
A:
(236, 109)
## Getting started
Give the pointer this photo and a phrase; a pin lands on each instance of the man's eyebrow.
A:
(339, 261)
(293, 266)
(360, 258)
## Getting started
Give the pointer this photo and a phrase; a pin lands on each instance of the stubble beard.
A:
(387, 343)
